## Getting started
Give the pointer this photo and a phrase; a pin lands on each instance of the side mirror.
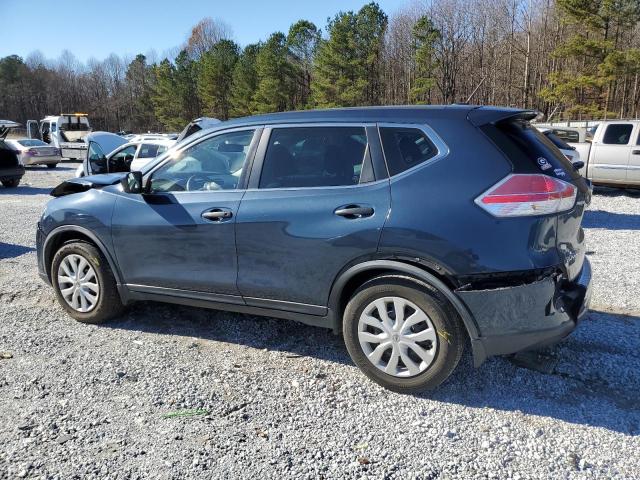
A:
(132, 182)
(577, 165)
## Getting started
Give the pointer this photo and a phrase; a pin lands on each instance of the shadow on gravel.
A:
(25, 190)
(596, 381)
(616, 192)
(10, 250)
(610, 221)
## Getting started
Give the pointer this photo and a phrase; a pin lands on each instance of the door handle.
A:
(217, 214)
(354, 211)
(635, 152)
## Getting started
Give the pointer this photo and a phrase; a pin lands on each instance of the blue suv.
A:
(414, 231)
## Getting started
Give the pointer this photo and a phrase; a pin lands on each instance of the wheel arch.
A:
(60, 235)
(353, 277)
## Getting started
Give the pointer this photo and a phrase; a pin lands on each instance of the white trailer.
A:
(65, 131)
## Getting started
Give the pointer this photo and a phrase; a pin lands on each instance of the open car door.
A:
(33, 130)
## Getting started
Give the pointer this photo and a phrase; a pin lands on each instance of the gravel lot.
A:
(175, 392)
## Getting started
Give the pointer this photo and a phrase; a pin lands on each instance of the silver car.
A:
(32, 151)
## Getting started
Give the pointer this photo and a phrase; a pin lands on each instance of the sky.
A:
(97, 28)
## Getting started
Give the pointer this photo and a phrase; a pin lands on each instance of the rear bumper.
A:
(11, 173)
(525, 317)
(41, 160)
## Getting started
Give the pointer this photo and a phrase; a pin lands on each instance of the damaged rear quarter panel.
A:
(514, 309)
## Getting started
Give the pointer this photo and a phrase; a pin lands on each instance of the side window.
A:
(215, 163)
(314, 157)
(405, 148)
(161, 149)
(617, 134)
(53, 127)
(121, 161)
(148, 151)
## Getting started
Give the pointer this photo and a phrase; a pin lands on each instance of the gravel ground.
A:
(175, 392)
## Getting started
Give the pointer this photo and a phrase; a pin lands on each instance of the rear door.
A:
(313, 206)
(610, 153)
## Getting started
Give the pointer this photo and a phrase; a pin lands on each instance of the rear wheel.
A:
(403, 334)
(11, 183)
(52, 165)
(84, 283)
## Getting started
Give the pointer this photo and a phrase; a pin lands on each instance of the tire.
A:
(107, 304)
(443, 327)
(11, 183)
(52, 165)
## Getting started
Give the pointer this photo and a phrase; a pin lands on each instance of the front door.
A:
(181, 235)
(610, 157)
(315, 208)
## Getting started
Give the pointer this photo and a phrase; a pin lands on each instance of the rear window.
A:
(617, 134)
(148, 150)
(31, 143)
(558, 142)
(567, 135)
(405, 148)
(529, 150)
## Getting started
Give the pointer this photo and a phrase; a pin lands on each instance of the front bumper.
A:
(11, 173)
(525, 317)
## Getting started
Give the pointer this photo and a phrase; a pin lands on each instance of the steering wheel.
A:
(196, 182)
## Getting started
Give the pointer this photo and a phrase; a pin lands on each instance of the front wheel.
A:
(84, 283)
(403, 334)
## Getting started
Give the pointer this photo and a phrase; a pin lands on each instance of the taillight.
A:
(520, 195)
(32, 151)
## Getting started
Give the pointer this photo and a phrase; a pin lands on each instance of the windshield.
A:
(72, 129)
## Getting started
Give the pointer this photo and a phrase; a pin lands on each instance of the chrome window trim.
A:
(430, 133)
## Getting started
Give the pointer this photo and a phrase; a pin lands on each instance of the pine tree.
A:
(275, 76)
(167, 105)
(348, 63)
(598, 43)
(186, 74)
(215, 78)
(425, 35)
(302, 40)
(245, 82)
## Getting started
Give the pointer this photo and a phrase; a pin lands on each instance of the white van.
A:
(65, 131)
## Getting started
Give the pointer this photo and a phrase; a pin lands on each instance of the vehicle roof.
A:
(151, 141)
(380, 114)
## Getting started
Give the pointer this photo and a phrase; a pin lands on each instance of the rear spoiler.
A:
(491, 115)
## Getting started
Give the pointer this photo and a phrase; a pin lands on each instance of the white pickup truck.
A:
(612, 157)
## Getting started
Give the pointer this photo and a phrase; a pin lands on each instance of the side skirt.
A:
(231, 303)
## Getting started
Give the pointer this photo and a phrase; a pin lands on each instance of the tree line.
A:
(570, 59)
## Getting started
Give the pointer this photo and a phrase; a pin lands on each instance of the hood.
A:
(82, 184)
(5, 126)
